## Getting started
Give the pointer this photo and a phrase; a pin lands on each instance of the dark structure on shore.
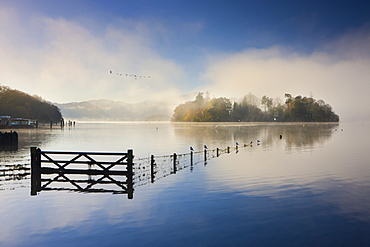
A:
(9, 141)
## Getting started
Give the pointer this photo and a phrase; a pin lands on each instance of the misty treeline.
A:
(17, 104)
(252, 109)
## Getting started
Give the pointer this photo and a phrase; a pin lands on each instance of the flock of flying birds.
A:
(131, 75)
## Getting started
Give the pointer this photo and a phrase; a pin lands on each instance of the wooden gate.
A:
(82, 171)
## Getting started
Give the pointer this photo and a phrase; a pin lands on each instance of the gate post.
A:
(130, 185)
(35, 170)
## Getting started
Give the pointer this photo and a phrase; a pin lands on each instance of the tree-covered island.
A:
(251, 109)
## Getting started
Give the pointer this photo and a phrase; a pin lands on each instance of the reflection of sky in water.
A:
(309, 188)
(336, 171)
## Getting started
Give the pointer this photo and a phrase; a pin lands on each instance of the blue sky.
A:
(64, 50)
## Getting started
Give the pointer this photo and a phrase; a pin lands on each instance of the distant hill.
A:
(18, 104)
(109, 110)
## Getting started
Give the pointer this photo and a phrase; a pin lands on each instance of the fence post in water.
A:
(205, 154)
(217, 152)
(35, 170)
(152, 162)
(174, 163)
(130, 186)
(228, 149)
(191, 158)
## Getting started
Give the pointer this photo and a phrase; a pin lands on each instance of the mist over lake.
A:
(300, 184)
(184, 123)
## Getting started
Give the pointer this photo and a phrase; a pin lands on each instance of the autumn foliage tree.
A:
(203, 109)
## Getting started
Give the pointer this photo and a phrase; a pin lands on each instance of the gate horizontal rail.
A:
(47, 170)
(83, 153)
(81, 181)
(84, 162)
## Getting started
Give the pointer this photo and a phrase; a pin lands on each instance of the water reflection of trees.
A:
(34, 137)
(293, 134)
(214, 135)
(301, 135)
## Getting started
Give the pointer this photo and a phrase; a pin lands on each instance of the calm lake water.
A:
(310, 187)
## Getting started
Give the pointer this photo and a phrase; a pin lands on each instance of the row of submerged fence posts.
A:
(174, 163)
(36, 169)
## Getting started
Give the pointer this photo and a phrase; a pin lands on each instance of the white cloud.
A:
(340, 76)
(63, 60)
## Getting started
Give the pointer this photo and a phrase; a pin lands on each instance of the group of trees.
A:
(307, 109)
(15, 103)
(252, 109)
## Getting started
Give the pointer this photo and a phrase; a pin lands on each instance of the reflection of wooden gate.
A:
(81, 171)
